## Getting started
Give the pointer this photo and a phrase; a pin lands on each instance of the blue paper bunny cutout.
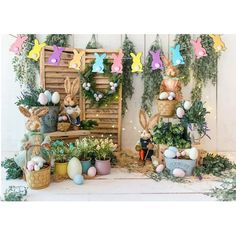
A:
(98, 64)
(177, 58)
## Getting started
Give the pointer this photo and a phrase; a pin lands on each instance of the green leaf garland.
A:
(60, 40)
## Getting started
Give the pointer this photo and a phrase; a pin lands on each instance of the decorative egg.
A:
(183, 153)
(160, 168)
(180, 112)
(172, 94)
(178, 154)
(187, 151)
(187, 105)
(178, 173)
(36, 168)
(173, 149)
(30, 165)
(163, 96)
(55, 98)
(84, 85)
(193, 153)
(170, 98)
(111, 83)
(74, 168)
(92, 171)
(169, 154)
(43, 100)
(78, 179)
(64, 118)
(49, 95)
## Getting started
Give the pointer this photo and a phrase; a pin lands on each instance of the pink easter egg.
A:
(160, 168)
(43, 100)
(92, 171)
(178, 154)
(64, 118)
(183, 153)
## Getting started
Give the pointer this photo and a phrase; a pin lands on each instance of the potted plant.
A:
(104, 149)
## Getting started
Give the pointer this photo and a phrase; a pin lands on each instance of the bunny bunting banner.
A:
(75, 63)
(137, 65)
(17, 45)
(55, 58)
(177, 58)
(156, 60)
(117, 66)
(35, 51)
(98, 66)
(198, 49)
(218, 43)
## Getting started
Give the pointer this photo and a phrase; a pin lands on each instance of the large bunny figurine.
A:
(198, 49)
(33, 136)
(137, 65)
(156, 60)
(145, 145)
(75, 63)
(98, 64)
(55, 57)
(218, 43)
(17, 45)
(117, 66)
(35, 51)
(71, 103)
(177, 58)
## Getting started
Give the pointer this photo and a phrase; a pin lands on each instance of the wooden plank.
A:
(42, 71)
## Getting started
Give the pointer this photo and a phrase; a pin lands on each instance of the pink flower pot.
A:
(103, 167)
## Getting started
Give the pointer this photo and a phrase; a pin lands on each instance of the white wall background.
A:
(220, 100)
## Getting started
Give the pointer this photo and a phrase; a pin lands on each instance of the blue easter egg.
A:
(173, 149)
(78, 179)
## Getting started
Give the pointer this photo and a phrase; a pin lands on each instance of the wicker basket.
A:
(63, 126)
(166, 108)
(37, 179)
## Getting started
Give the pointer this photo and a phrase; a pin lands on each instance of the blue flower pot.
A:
(85, 166)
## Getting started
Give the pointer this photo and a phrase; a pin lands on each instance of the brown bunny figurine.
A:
(145, 145)
(33, 136)
(71, 103)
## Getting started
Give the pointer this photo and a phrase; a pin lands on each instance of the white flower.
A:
(87, 88)
(89, 85)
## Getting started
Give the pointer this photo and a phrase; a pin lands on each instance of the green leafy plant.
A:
(88, 124)
(152, 79)
(85, 148)
(13, 171)
(60, 40)
(104, 148)
(15, 193)
(93, 44)
(171, 135)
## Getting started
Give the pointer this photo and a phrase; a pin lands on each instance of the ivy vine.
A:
(60, 40)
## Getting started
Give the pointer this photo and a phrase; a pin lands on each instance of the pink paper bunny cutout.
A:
(55, 58)
(117, 66)
(17, 45)
(198, 49)
(156, 60)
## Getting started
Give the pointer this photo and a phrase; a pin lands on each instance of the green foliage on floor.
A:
(13, 171)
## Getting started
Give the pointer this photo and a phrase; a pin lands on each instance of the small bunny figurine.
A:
(55, 58)
(17, 45)
(71, 103)
(198, 49)
(218, 43)
(137, 65)
(177, 58)
(33, 136)
(98, 64)
(156, 60)
(75, 63)
(145, 145)
(117, 66)
(35, 51)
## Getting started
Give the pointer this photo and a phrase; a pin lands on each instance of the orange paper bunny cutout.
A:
(75, 63)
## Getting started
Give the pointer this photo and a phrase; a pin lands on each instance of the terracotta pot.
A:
(103, 166)
(61, 169)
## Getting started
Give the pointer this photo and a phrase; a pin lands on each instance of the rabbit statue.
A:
(55, 58)
(35, 51)
(156, 60)
(71, 104)
(137, 65)
(17, 45)
(75, 63)
(98, 64)
(117, 66)
(145, 145)
(33, 136)
(177, 58)
(218, 43)
(198, 49)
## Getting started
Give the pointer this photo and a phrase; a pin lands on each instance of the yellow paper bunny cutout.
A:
(75, 63)
(137, 65)
(35, 51)
(218, 43)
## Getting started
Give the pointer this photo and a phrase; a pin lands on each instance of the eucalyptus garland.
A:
(152, 79)
(25, 68)
(187, 53)
(100, 98)
(15, 193)
(127, 76)
(204, 68)
(60, 40)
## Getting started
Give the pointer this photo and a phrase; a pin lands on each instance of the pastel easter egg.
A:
(42, 99)
(170, 98)
(187, 151)
(30, 165)
(178, 173)
(55, 98)
(36, 168)
(74, 167)
(49, 95)
(92, 171)
(173, 149)
(64, 118)
(169, 154)
(180, 112)
(178, 154)
(160, 168)
(172, 94)
(183, 153)
(163, 95)
(193, 153)
(78, 179)
(187, 105)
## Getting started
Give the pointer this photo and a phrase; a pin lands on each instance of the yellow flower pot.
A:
(61, 169)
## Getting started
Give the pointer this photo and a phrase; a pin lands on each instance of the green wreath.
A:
(88, 84)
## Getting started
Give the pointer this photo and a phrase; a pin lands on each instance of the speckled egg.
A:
(169, 154)
(92, 171)
(163, 96)
(74, 167)
(42, 99)
(78, 179)
(160, 168)
(180, 112)
(55, 98)
(49, 95)
(178, 173)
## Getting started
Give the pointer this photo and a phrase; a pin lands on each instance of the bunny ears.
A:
(146, 125)
(72, 88)
(35, 112)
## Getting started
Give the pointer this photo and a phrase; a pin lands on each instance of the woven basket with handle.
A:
(37, 179)
(166, 108)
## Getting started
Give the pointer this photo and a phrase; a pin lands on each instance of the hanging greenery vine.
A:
(25, 68)
(152, 79)
(127, 76)
(60, 40)
(187, 53)
(93, 43)
(204, 68)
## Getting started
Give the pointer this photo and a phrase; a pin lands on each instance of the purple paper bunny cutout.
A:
(55, 58)
(156, 60)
